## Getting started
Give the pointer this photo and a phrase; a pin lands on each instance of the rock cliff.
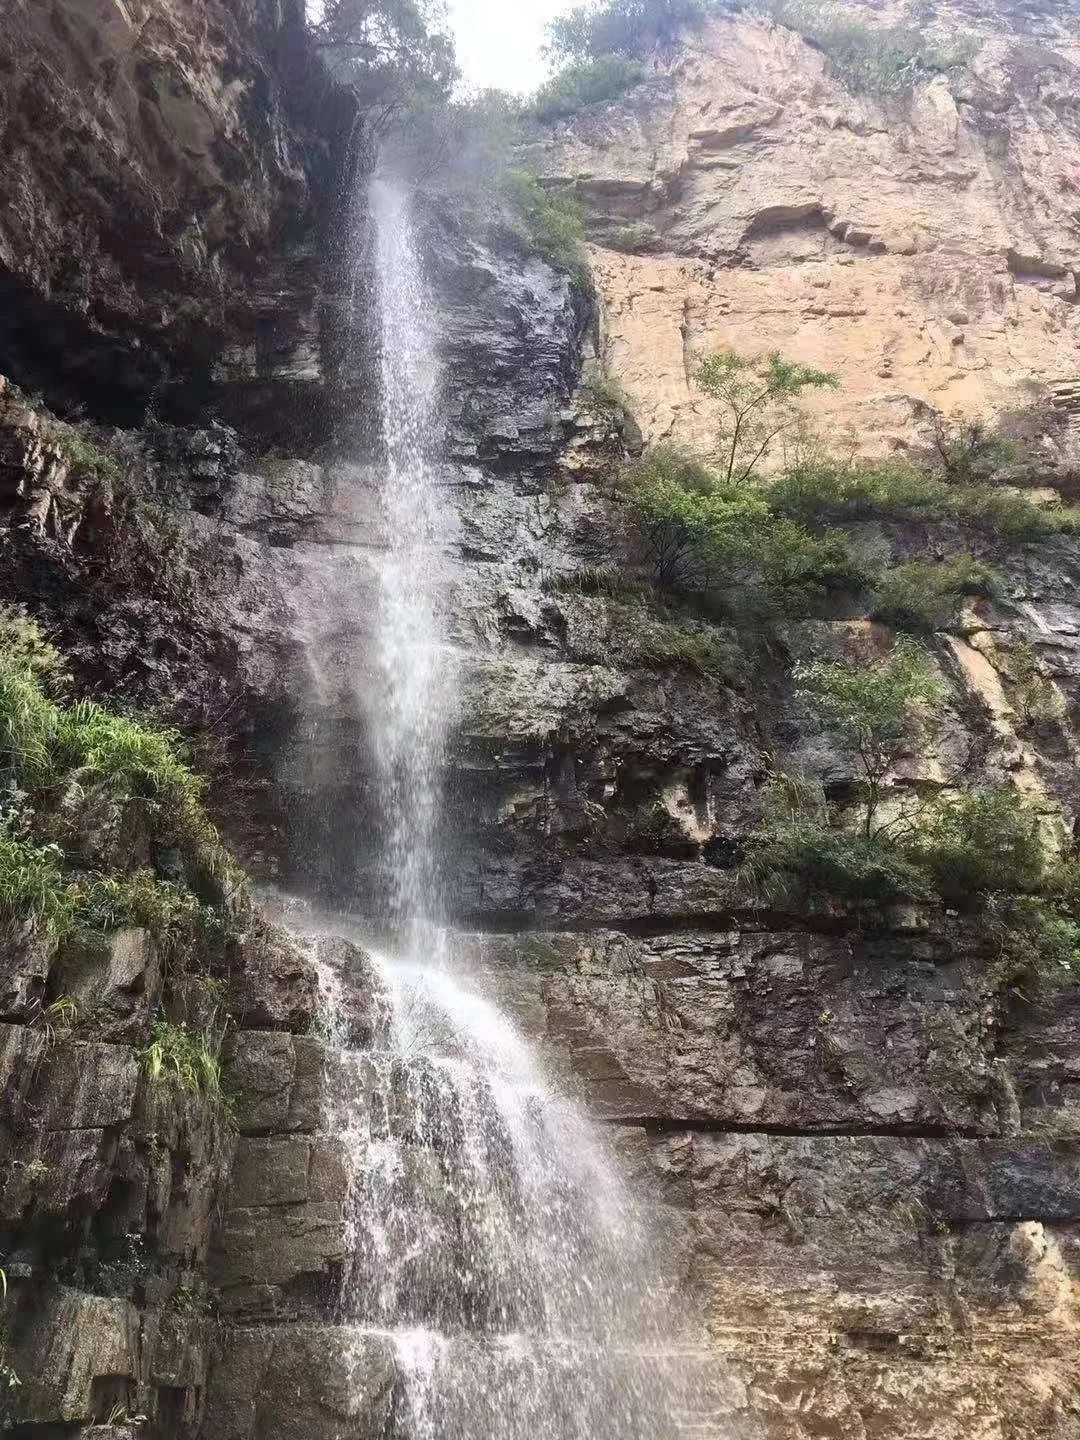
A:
(860, 1144)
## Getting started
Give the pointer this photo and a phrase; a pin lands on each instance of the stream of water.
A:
(491, 1238)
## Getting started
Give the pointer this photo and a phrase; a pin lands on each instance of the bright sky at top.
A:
(499, 41)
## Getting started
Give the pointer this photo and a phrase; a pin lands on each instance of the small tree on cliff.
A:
(878, 712)
(759, 403)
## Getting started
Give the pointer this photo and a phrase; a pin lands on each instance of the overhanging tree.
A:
(387, 49)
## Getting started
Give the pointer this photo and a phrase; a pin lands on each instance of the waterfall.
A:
(491, 1242)
(408, 731)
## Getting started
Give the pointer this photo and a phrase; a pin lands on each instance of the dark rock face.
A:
(153, 167)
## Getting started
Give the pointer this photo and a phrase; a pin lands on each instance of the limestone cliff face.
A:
(924, 248)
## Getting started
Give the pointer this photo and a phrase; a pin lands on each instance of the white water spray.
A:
(409, 732)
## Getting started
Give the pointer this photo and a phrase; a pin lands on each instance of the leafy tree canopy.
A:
(759, 403)
(388, 49)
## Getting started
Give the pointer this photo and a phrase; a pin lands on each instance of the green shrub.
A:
(604, 395)
(875, 709)
(823, 487)
(81, 451)
(551, 223)
(631, 238)
(621, 27)
(659, 644)
(1036, 945)
(880, 60)
(586, 82)
(826, 488)
(23, 645)
(971, 453)
(1032, 691)
(984, 841)
(798, 850)
(758, 398)
(802, 570)
(927, 595)
(171, 912)
(596, 580)
(48, 749)
(177, 1055)
(33, 890)
(1011, 514)
(722, 539)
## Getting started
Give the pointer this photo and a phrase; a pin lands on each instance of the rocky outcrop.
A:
(161, 163)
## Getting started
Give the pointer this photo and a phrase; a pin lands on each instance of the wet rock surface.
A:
(862, 1159)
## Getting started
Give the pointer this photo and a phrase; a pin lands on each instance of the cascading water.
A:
(491, 1242)
(408, 732)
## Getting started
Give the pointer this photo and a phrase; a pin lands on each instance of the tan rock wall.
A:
(925, 248)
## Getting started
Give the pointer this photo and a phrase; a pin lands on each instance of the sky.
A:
(499, 41)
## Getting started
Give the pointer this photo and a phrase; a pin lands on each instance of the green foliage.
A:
(875, 709)
(826, 487)
(33, 891)
(879, 60)
(979, 843)
(632, 237)
(23, 645)
(583, 83)
(971, 453)
(49, 749)
(621, 27)
(595, 580)
(81, 451)
(604, 395)
(1031, 689)
(801, 570)
(179, 1056)
(660, 644)
(168, 910)
(721, 538)
(829, 488)
(551, 223)
(1013, 515)
(58, 1017)
(799, 850)
(758, 398)
(389, 51)
(927, 595)
(982, 852)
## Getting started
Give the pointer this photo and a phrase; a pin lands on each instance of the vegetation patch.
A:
(186, 1059)
(826, 488)
(61, 762)
(721, 540)
(927, 595)
(586, 82)
(879, 60)
(663, 644)
(981, 853)
(622, 27)
(550, 223)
